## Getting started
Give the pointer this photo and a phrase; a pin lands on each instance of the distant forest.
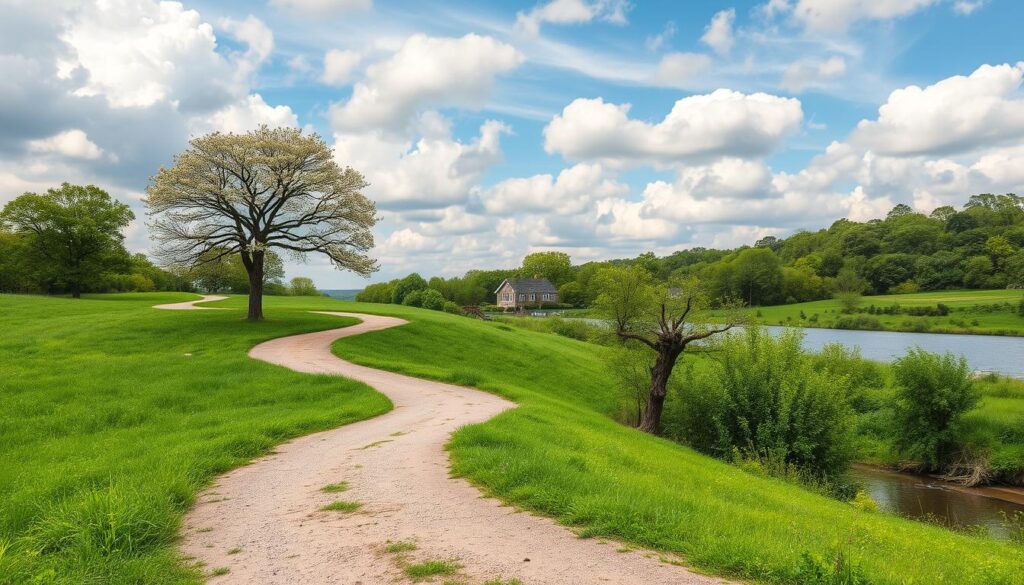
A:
(980, 246)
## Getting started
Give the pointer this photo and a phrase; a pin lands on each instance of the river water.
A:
(984, 353)
(919, 497)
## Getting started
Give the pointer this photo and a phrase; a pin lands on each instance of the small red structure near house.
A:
(519, 293)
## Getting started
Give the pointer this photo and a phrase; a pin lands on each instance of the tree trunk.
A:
(660, 373)
(76, 290)
(255, 269)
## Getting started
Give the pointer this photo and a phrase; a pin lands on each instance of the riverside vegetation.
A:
(110, 442)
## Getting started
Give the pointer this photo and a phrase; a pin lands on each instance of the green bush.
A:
(452, 307)
(932, 393)
(431, 299)
(865, 378)
(763, 396)
(413, 299)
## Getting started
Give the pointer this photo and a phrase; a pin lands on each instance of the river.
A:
(984, 353)
(919, 496)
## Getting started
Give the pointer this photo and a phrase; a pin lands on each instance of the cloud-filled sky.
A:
(602, 128)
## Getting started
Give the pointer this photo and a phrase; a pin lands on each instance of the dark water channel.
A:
(920, 497)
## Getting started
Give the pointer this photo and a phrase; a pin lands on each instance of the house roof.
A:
(529, 285)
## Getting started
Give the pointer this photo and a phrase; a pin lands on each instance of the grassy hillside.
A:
(109, 428)
(560, 454)
(114, 414)
(987, 312)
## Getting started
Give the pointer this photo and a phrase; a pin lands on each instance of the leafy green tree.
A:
(887, 270)
(554, 266)
(301, 286)
(17, 273)
(405, 286)
(1015, 270)
(246, 194)
(932, 394)
(73, 233)
(998, 249)
(571, 293)
(978, 272)
(757, 276)
(382, 292)
(939, 271)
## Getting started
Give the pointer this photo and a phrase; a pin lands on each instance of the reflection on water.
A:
(918, 497)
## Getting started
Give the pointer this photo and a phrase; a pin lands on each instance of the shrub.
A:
(849, 301)
(906, 287)
(431, 299)
(932, 393)
(452, 307)
(763, 397)
(865, 379)
(413, 299)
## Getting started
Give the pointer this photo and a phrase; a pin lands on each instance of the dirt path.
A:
(191, 305)
(263, 522)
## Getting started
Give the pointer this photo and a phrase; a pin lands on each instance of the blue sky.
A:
(603, 128)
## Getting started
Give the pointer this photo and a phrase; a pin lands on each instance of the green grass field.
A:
(560, 454)
(114, 414)
(109, 429)
(987, 312)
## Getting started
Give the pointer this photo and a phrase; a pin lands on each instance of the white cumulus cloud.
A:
(957, 114)
(722, 123)
(574, 190)
(426, 71)
(70, 143)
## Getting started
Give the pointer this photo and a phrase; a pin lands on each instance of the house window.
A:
(506, 296)
(533, 297)
(522, 297)
(546, 296)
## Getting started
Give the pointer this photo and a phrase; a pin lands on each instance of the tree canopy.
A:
(72, 234)
(248, 193)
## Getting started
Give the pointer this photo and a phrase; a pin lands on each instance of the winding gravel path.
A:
(263, 521)
(191, 305)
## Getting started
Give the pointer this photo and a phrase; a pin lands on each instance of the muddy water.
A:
(919, 496)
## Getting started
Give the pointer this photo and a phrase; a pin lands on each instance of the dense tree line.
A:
(980, 245)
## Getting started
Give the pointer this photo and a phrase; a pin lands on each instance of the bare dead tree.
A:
(664, 317)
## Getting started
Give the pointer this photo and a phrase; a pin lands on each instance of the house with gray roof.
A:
(517, 293)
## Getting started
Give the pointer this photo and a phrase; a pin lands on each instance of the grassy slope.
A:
(121, 432)
(561, 455)
(108, 428)
(1002, 322)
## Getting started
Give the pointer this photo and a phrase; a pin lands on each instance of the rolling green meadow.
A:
(984, 312)
(115, 414)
